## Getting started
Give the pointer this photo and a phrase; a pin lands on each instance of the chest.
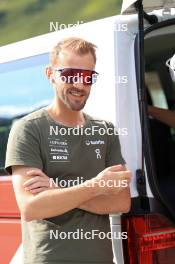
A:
(73, 156)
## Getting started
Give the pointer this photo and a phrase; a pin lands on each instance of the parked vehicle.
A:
(132, 51)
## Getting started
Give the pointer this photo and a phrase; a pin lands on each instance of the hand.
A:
(39, 183)
(112, 180)
(151, 109)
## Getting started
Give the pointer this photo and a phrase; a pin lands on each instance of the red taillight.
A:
(151, 239)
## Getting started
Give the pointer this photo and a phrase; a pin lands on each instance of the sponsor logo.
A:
(94, 142)
(59, 150)
(98, 153)
(59, 157)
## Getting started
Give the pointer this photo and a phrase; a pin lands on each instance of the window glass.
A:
(24, 88)
(155, 89)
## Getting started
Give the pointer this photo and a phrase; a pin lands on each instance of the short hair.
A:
(78, 45)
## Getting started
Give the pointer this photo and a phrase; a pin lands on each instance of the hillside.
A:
(23, 19)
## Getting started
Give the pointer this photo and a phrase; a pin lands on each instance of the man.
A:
(58, 222)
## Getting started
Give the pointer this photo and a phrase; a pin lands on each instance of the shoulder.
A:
(37, 115)
(98, 121)
(28, 121)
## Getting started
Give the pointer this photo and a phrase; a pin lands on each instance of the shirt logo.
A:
(59, 151)
(94, 142)
(98, 153)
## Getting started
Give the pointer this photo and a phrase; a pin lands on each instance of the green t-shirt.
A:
(38, 141)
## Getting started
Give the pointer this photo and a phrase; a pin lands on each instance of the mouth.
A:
(76, 94)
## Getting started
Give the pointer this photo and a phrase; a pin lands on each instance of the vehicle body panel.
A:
(10, 224)
(116, 58)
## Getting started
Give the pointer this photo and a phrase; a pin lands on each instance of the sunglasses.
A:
(71, 75)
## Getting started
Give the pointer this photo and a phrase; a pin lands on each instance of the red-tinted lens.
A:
(67, 75)
(78, 75)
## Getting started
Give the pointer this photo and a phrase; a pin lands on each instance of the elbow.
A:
(28, 212)
(26, 217)
(126, 210)
(126, 207)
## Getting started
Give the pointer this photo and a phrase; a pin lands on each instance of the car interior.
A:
(160, 92)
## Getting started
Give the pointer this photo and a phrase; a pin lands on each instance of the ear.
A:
(49, 73)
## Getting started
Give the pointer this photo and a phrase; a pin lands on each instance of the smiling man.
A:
(71, 224)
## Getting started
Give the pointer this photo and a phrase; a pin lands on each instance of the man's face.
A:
(73, 95)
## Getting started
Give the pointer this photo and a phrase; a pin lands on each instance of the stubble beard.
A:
(74, 106)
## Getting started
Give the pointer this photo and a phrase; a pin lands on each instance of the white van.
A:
(132, 51)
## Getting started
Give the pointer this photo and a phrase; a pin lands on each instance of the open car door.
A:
(128, 6)
(152, 226)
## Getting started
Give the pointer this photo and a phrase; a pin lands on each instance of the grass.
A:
(23, 19)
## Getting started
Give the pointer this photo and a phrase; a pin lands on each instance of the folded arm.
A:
(45, 204)
(101, 204)
(111, 204)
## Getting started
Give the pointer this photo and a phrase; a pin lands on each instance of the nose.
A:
(78, 84)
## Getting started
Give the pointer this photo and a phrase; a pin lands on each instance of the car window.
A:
(24, 85)
(161, 93)
(155, 89)
(24, 88)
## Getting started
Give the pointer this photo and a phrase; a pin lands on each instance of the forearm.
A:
(163, 115)
(55, 202)
(112, 204)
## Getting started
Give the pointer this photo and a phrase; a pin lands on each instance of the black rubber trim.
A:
(161, 24)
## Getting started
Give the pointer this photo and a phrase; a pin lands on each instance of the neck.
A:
(62, 114)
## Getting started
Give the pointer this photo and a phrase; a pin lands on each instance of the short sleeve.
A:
(113, 155)
(23, 146)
